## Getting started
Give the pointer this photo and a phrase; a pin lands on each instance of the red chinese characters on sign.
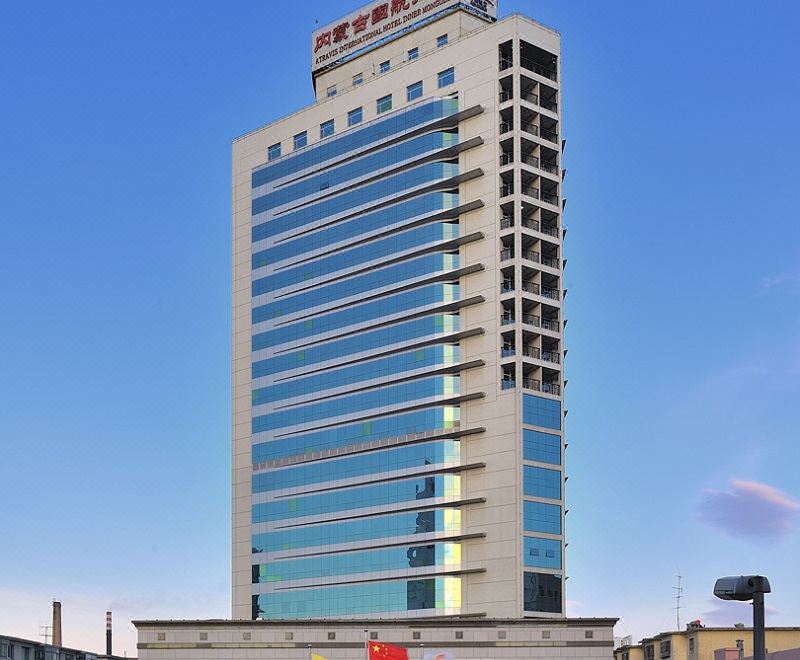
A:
(323, 39)
(340, 32)
(398, 6)
(360, 23)
(380, 13)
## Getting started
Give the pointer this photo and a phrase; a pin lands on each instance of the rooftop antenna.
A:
(678, 595)
(46, 634)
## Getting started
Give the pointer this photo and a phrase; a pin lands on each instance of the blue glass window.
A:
(348, 172)
(447, 486)
(369, 597)
(355, 315)
(394, 366)
(538, 411)
(441, 41)
(358, 79)
(392, 396)
(414, 91)
(433, 418)
(383, 104)
(385, 66)
(359, 530)
(413, 54)
(356, 285)
(326, 129)
(405, 457)
(541, 482)
(364, 196)
(331, 91)
(541, 447)
(542, 517)
(350, 141)
(274, 151)
(444, 555)
(542, 592)
(541, 553)
(300, 140)
(355, 116)
(386, 218)
(393, 335)
(447, 77)
(375, 251)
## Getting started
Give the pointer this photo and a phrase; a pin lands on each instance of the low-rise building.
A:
(701, 643)
(17, 648)
(468, 639)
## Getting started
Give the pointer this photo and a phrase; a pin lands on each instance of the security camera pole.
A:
(748, 587)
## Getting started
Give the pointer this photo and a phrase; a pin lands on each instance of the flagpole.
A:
(309, 652)
(366, 644)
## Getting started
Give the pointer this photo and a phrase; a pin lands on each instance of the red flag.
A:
(378, 651)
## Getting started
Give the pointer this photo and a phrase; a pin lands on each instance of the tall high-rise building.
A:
(398, 325)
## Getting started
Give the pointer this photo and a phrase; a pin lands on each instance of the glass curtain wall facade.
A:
(355, 341)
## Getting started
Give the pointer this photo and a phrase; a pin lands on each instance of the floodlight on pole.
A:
(748, 587)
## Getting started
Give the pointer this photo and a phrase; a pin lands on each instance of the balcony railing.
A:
(528, 127)
(548, 135)
(528, 159)
(506, 63)
(550, 294)
(549, 324)
(530, 287)
(538, 322)
(530, 255)
(506, 254)
(507, 286)
(530, 191)
(539, 386)
(550, 262)
(506, 222)
(550, 230)
(506, 189)
(547, 104)
(531, 352)
(506, 158)
(530, 97)
(509, 383)
(507, 318)
(506, 95)
(530, 223)
(538, 354)
(506, 126)
(507, 352)
(544, 291)
(550, 198)
(550, 356)
(552, 168)
(530, 65)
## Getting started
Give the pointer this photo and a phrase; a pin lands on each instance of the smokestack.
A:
(56, 623)
(108, 633)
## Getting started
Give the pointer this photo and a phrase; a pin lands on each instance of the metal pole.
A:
(759, 641)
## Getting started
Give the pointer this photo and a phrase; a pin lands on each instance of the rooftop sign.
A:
(380, 20)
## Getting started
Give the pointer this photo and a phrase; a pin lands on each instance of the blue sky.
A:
(684, 300)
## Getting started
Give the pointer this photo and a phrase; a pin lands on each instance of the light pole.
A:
(748, 587)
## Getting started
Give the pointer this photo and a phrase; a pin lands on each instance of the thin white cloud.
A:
(789, 280)
(750, 510)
